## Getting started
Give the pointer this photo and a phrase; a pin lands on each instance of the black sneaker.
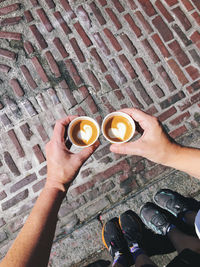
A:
(113, 239)
(154, 218)
(131, 227)
(172, 201)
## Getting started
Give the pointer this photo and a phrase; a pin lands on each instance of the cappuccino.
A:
(83, 131)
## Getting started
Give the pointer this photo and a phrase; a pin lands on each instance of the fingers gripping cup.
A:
(83, 131)
(118, 127)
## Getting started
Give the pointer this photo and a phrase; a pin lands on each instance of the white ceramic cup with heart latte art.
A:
(83, 131)
(118, 127)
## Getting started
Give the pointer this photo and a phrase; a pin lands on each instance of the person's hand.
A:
(154, 144)
(63, 165)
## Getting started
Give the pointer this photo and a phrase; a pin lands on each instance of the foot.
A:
(155, 219)
(172, 201)
(113, 239)
(131, 227)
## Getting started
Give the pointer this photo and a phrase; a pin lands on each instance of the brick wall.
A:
(89, 57)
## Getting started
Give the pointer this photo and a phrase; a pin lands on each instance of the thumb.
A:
(88, 151)
(131, 148)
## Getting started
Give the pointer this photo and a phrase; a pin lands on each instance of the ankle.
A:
(136, 251)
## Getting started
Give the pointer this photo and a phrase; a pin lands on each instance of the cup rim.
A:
(83, 118)
(123, 114)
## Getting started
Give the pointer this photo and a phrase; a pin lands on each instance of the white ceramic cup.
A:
(122, 114)
(83, 132)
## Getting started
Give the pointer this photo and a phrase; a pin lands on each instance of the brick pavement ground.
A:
(61, 57)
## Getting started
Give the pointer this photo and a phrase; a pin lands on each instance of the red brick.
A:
(68, 93)
(147, 7)
(10, 21)
(164, 11)
(8, 9)
(28, 16)
(10, 163)
(59, 45)
(34, 3)
(118, 6)
(178, 72)
(150, 51)
(39, 185)
(83, 17)
(29, 107)
(144, 69)
(100, 63)
(172, 99)
(82, 34)
(16, 143)
(28, 77)
(178, 132)
(102, 2)
(50, 3)
(77, 50)
(101, 43)
(42, 132)
(14, 200)
(5, 120)
(54, 98)
(132, 4)
(2, 222)
(114, 18)
(96, 11)
(182, 18)
(128, 66)
(180, 118)
(141, 90)
(156, 171)
(171, 2)
(53, 64)
(133, 98)
(196, 3)
(44, 19)
(43, 171)
(2, 195)
(99, 119)
(11, 35)
(25, 128)
(100, 153)
(166, 78)
(73, 72)
(62, 22)
(112, 39)
(28, 47)
(161, 45)
(91, 104)
(163, 29)
(195, 98)
(194, 87)
(38, 36)
(93, 79)
(128, 43)
(167, 114)
(68, 9)
(132, 25)
(38, 153)
(195, 37)
(39, 69)
(4, 68)
(107, 104)
(80, 111)
(119, 94)
(121, 78)
(193, 72)
(84, 91)
(196, 16)
(111, 81)
(187, 5)
(181, 35)
(14, 83)
(144, 23)
(7, 54)
(152, 110)
(23, 182)
(158, 91)
(179, 53)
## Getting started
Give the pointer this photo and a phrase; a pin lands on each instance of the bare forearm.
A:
(33, 244)
(184, 159)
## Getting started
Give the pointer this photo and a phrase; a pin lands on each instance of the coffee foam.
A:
(118, 128)
(83, 132)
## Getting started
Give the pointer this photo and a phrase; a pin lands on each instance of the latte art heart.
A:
(118, 132)
(86, 133)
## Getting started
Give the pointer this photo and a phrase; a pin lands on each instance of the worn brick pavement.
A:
(60, 57)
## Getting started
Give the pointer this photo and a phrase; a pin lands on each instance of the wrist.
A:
(57, 186)
(171, 154)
